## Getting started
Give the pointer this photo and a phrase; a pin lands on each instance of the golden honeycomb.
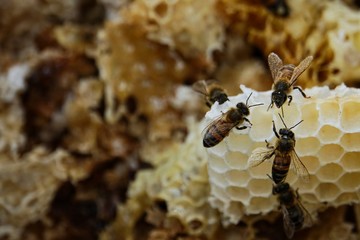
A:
(326, 142)
(180, 181)
(94, 101)
(194, 29)
(328, 30)
(27, 198)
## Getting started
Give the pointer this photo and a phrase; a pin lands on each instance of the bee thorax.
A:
(234, 116)
(285, 145)
(281, 85)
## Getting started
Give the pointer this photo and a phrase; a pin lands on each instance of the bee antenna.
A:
(247, 100)
(296, 124)
(254, 105)
(283, 121)
(269, 106)
(273, 182)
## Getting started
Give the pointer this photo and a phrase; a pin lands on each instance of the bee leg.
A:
(241, 128)
(268, 145)
(247, 120)
(208, 103)
(301, 91)
(290, 99)
(270, 105)
(274, 130)
(297, 194)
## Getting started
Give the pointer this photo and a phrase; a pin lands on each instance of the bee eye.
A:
(239, 105)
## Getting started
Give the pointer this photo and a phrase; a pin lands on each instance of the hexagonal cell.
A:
(235, 211)
(180, 201)
(261, 170)
(308, 197)
(238, 142)
(195, 223)
(312, 164)
(216, 203)
(261, 144)
(219, 193)
(262, 126)
(260, 187)
(350, 117)
(292, 116)
(350, 141)
(307, 146)
(218, 150)
(261, 205)
(330, 153)
(237, 177)
(311, 121)
(346, 198)
(330, 172)
(329, 134)
(236, 160)
(238, 194)
(329, 112)
(349, 181)
(217, 178)
(307, 186)
(218, 164)
(327, 192)
(351, 161)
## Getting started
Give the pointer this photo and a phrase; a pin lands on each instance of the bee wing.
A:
(308, 221)
(300, 69)
(201, 87)
(209, 82)
(259, 155)
(275, 63)
(289, 226)
(215, 121)
(222, 125)
(299, 167)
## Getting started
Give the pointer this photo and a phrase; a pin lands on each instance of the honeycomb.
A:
(192, 28)
(326, 142)
(28, 198)
(11, 124)
(329, 31)
(180, 180)
(94, 96)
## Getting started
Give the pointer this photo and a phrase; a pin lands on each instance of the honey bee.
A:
(211, 91)
(277, 7)
(284, 77)
(220, 127)
(295, 215)
(283, 153)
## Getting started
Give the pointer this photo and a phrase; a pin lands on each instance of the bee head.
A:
(279, 98)
(222, 97)
(281, 188)
(286, 133)
(243, 108)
